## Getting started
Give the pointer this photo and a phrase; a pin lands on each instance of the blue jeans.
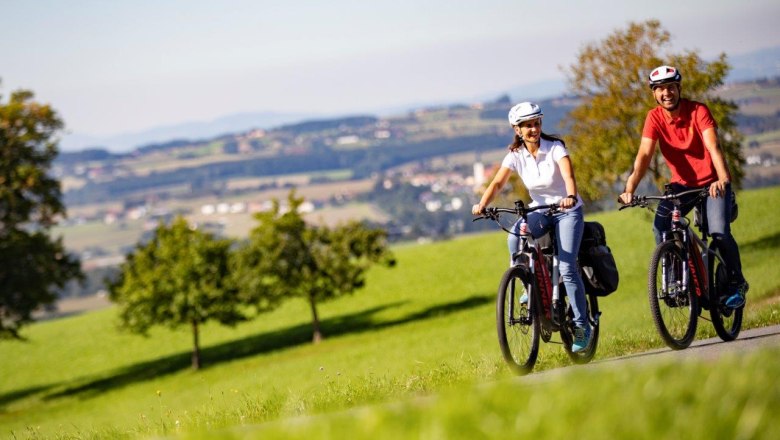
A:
(568, 235)
(718, 218)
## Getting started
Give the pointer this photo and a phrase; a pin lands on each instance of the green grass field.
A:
(412, 355)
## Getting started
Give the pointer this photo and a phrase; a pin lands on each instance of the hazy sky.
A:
(113, 67)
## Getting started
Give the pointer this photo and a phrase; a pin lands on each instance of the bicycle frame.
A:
(530, 253)
(699, 256)
(547, 281)
(521, 325)
(702, 275)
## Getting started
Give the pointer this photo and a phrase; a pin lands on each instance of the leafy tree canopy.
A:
(31, 262)
(179, 278)
(610, 78)
(286, 257)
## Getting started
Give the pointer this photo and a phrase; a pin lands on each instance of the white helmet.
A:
(523, 112)
(663, 75)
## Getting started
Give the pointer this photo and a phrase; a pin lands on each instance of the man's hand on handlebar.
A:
(718, 188)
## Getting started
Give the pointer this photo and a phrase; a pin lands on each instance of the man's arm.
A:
(710, 138)
(641, 163)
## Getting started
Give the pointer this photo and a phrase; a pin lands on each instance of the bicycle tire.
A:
(567, 332)
(675, 312)
(518, 335)
(727, 322)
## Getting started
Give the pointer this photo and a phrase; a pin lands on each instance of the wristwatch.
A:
(572, 196)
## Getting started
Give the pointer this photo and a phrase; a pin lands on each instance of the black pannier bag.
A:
(597, 265)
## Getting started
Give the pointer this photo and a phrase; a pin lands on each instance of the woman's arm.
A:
(567, 171)
(499, 180)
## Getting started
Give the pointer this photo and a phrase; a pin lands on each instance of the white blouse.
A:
(541, 175)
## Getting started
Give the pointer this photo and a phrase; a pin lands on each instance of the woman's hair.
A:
(518, 142)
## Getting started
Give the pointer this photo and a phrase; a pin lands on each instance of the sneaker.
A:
(581, 339)
(737, 299)
(524, 298)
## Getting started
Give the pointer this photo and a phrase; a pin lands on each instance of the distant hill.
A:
(755, 65)
(234, 123)
(760, 64)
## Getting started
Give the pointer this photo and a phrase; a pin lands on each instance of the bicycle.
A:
(686, 275)
(534, 272)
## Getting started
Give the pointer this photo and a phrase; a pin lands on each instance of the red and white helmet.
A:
(663, 75)
(523, 112)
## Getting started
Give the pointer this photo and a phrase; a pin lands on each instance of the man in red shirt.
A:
(687, 135)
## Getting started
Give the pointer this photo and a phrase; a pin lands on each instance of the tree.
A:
(610, 79)
(179, 278)
(32, 263)
(286, 257)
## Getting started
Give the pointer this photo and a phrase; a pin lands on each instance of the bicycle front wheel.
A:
(674, 307)
(727, 321)
(517, 323)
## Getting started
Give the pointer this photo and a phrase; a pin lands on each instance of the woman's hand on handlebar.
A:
(566, 203)
(477, 209)
(626, 198)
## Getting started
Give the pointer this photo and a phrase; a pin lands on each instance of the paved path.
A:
(712, 348)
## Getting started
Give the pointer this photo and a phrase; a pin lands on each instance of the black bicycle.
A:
(534, 274)
(687, 274)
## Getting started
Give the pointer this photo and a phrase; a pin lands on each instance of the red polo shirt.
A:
(681, 142)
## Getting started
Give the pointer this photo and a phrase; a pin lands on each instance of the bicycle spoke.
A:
(518, 330)
(672, 304)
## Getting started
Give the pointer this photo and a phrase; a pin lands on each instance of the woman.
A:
(543, 164)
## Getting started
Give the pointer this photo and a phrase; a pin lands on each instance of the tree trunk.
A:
(196, 347)
(315, 321)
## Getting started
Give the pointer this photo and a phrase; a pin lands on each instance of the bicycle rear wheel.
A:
(727, 321)
(674, 308)
(517, 324)
(567, 332)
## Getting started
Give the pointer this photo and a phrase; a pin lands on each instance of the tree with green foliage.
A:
(286, 257)
(610, 80)
(32, 263)
(180, 277)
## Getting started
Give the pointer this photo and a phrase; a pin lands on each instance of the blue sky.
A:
(113, 67)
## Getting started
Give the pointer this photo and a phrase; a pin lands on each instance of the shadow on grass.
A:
(261, 343)
(768, 242)
(13, 396)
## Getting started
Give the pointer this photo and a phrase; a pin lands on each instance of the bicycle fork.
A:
(672, 284)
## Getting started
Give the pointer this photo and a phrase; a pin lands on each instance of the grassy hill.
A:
(423, 329)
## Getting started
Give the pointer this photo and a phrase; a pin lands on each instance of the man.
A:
(687, 136)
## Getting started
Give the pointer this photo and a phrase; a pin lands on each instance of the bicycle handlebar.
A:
(519, 210)
(642, 201)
